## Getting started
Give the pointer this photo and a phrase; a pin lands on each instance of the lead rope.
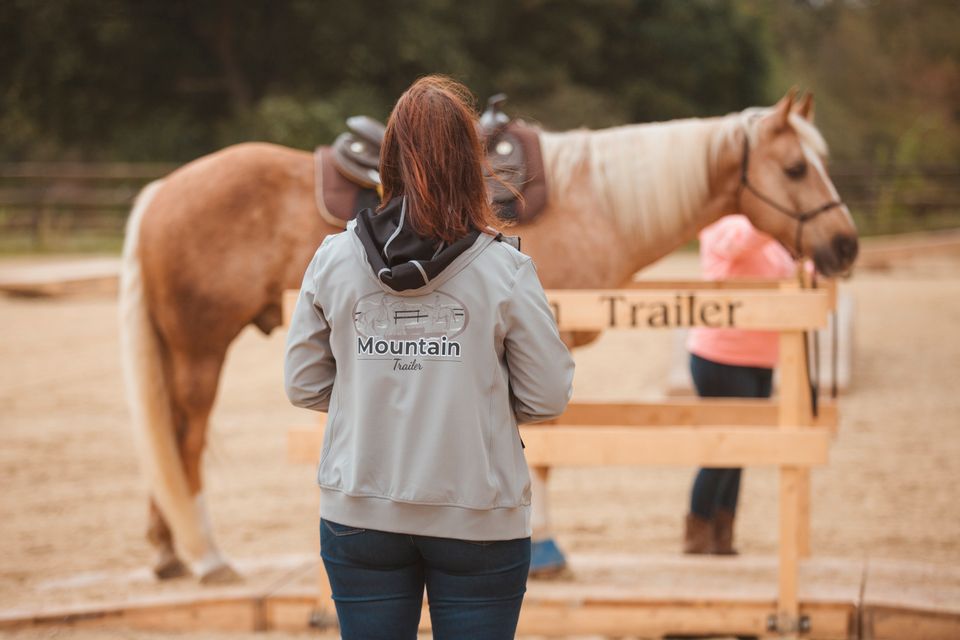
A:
(815, 382)
(813, 372)
(834, 350)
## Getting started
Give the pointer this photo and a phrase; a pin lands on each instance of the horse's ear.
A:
(805, 107)
(781, 110)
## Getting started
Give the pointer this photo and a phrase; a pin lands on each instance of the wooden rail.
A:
(48, 199)
(41, 195)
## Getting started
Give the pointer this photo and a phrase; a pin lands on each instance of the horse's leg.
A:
(220, 240)
(193, 387)
(168, 564)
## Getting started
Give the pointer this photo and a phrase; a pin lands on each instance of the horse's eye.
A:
(796, 171)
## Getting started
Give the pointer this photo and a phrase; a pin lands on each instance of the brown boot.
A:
(697, 535)
(723, 533)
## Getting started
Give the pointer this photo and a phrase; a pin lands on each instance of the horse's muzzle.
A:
(838, 257)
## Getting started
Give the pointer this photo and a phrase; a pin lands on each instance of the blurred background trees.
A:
(170, 80)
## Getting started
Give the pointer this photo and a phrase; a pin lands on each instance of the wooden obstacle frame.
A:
(704, 432)
(618, 594)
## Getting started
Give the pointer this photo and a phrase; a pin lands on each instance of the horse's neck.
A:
(652, 182)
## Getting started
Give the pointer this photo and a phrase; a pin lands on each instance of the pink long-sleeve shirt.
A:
(733, 248)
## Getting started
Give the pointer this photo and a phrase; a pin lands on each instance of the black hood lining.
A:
(401, 258)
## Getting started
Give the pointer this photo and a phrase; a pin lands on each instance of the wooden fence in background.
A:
(42, 199)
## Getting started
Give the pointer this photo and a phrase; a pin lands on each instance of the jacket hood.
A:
(401, 258)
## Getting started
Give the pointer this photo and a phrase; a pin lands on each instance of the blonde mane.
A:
(654, 179)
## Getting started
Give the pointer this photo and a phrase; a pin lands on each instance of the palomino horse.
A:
(211, 247)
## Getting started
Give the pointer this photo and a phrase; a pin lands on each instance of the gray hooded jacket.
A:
(425, 379)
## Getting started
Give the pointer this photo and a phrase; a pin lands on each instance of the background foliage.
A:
(169, 80)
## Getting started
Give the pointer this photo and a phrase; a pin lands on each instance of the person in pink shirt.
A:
(730, 363)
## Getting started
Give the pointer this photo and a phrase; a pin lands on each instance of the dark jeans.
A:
(475, 589)
(715, 489)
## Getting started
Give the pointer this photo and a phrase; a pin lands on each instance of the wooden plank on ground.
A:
(630, 595)
(162, 606)
(227, 610)
(291, 605)
(903, 599)
(613, 594)
(572, 610)
(657, 619)
(89, 275)
(880, 622)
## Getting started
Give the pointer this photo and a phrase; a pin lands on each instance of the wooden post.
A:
(788, 602)
(804, 417)
(794, 407)
(803, 511)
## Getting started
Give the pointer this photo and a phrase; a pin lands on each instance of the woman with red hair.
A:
(427, 338)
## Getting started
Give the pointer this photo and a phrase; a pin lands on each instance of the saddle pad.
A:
(338, 198)
(535, 187)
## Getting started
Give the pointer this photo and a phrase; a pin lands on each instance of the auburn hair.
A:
(432, 154)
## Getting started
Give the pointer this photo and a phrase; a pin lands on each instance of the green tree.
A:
(159, 80)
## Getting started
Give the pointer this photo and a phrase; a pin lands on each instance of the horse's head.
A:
(786, 192)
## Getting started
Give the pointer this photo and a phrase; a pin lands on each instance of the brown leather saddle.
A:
(348, 180)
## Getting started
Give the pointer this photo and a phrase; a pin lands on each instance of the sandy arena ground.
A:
(73, 502)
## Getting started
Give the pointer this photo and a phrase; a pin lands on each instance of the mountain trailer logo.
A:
(394, 327)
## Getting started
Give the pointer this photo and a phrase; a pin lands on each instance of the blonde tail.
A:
(149, 400)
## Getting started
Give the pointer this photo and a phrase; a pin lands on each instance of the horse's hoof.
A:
(170, 568)
(222, 574)
(546, 559)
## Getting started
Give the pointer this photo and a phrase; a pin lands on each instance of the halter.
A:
(800, 216)
(812, 368)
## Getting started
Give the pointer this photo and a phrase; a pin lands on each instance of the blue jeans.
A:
(474, 589)
(715, 489)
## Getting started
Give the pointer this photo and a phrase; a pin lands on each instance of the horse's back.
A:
(224, 235)
(241, 192)
(244, 163)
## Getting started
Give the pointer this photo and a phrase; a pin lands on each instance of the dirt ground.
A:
(73, 503)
